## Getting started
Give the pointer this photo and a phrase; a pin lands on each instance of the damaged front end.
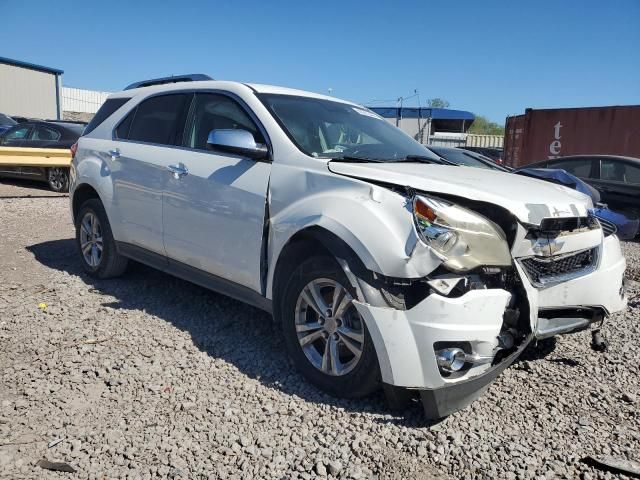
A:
(449, 334)
(501, 284)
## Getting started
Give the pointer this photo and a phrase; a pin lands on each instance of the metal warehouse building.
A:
(423, 123)
(29, 90)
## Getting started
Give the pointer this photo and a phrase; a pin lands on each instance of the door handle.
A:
(115, 154)
(178, 170)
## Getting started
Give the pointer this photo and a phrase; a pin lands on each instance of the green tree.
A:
(482, 126)
(437, 103)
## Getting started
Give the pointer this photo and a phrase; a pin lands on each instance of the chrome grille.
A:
(546, 270)
(608, 228)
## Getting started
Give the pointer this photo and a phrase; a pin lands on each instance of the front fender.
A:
(374, 222)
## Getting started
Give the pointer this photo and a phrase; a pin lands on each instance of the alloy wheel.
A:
(91, 239)
(330, 330)
(57, 178)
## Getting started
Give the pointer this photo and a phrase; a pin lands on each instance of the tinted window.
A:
(578, 167)
(619, 172)
(16, 133)
(122, 131)
(45, 133)
(211, 112)
(104, 112)
(159, 120)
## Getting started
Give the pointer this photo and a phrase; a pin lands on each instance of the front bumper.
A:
(404, 339)
(444, 401)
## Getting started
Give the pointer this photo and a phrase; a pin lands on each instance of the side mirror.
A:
(240, 142)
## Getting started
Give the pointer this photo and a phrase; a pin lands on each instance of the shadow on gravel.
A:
(32, 184)
(220, 326)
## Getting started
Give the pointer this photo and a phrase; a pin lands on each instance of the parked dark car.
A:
(466, 157)
(19, 119)
(40, 134)
(6, 123)
(616, 178)
(625, 225)
(494, 153)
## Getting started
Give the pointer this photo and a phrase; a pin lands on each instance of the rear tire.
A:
(97, 248)
(58, 179)
(327, 358)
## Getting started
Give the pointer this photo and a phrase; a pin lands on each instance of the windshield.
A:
(464, 157)
(4, 120)
(323, 128)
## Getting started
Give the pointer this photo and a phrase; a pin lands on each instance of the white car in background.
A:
(383, 265)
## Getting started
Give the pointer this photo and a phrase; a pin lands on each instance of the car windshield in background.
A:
(4, 120)
(463, 157)
(327, 129)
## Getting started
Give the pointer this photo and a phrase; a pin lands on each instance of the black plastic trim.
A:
(192, 77)
(444, 401)
(195, 275)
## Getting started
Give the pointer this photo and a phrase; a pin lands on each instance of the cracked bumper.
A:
(404, 340)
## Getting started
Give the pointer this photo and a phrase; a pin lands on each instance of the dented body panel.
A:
(530, 200)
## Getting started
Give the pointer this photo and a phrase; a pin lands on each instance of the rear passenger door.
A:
(144, 146)
(214, 212)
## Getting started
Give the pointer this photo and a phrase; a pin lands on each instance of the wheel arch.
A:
(81, 194)
(318, 240)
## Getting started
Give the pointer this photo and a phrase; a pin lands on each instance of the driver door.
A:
(214, 208)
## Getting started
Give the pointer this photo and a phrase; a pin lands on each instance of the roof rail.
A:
(193, 77)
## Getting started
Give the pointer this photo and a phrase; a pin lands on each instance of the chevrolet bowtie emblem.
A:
(546, 247)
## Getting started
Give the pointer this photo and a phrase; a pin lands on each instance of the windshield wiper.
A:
(422, 159)
(349, 159)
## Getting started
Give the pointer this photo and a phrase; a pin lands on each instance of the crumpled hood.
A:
(530, 200)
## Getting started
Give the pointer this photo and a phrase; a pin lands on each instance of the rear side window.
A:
(46, 133)
(122, 131)
(620, 172)
(104, 112)
(158, 120)
(579, 167)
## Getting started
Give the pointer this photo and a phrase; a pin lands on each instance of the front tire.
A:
(58, 179)
(97, 248)
(325, 335)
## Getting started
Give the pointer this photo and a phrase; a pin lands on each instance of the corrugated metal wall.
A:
(28, 93)
(81, 100)
(488, 141)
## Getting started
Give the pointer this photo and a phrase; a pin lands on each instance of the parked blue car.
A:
(612, 222)
(625, 228)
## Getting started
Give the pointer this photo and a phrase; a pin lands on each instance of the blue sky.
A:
(494, 58)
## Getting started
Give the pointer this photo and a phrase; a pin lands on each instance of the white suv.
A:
(383, 264)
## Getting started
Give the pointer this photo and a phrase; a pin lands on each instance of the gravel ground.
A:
(149, 376)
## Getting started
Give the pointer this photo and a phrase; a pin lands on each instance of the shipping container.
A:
(550, 133)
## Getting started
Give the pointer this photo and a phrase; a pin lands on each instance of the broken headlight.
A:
(464, 239)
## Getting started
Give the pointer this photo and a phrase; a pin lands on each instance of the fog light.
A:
(451, 359)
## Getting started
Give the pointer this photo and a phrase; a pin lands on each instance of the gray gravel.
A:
(148, 376)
